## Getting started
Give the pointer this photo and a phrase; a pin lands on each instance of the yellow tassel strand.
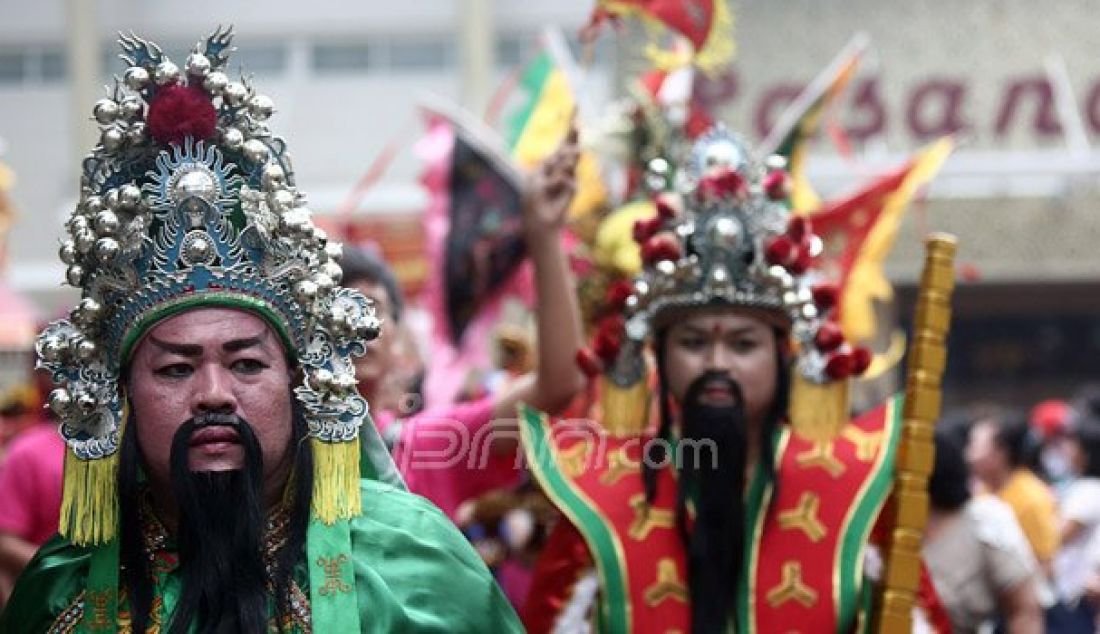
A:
(335, 480)
(89, 499)
(625, 410)
(818, 411)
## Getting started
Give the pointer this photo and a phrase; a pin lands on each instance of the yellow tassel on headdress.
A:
(89, 499)
(818, 411)
(335, 480)
(625, 410)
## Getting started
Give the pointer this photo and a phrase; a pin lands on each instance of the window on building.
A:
(512, 50)
(33, 64)
(341, 58)
(52, 65)
(12, 65)
(265, 60)
(419, 54)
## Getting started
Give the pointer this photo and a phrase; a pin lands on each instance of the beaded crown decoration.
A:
(189, 201)
(724, 235)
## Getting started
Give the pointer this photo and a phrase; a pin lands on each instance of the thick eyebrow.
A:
(195, 350)
(236, 345)
(182, 349)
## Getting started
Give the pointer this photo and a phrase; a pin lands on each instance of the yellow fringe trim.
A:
(89, 499)
(818, 411)
(625, 411)
(336, 480)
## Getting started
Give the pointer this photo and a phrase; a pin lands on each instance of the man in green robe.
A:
(221, 472)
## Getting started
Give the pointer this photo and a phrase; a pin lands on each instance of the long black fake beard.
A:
(220, 536)
(225, 586)
(713, 476)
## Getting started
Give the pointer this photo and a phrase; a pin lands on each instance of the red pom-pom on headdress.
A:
(178, 112)
(660, 247)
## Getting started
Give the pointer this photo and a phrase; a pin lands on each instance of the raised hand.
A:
(550, 188)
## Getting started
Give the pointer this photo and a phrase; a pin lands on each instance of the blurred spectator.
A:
(1075, 565)
(1050, 419)
(1001, 446)
(30, 486)
(509, 529)
(976, 554)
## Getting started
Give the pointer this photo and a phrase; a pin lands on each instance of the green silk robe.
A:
(414, 572)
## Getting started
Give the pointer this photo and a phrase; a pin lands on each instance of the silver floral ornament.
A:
(129, 197)
(106, 249)
(136, 134)
(93, 205)
(261, 107)
(105, 111)
(112, 139)
(233, 138)
(85, 403)
(136, 78)
(333, 270)
(110, 199)
(85, 349)
(324, 283)
(166, 73)
(60, 401)
(74, 275)
(67, 252)
(334, 250)
(235, 93)
(273, 176)
(52, 348)
(305, 291)
(256, 151)
(197, 65)
(84, 240)
(106, 223)
(215, 82)
(131, 107)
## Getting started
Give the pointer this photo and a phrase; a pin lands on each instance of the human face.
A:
(987, 460)
(211, 360)
(728, 341)
(372, 367)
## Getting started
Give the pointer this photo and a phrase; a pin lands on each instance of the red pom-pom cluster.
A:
(777, 185)
(606, 344)
(792, 250)
(617, 293)
(660, 247)
(723, 184)
(178, 112)
(841, 360)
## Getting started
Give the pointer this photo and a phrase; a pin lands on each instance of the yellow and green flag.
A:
(540, 122)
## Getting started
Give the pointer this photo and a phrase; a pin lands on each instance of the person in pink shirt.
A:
(455, 453)
(30, 496)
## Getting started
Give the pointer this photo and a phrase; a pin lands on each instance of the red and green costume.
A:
(806, 531)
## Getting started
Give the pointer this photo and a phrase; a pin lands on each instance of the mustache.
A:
(713, 379)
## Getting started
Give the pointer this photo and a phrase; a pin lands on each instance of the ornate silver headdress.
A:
(188, 200)
(724, 236)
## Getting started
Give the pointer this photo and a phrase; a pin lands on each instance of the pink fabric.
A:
(444, 454)
(30, 484)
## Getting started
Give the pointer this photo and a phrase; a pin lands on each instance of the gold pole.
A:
(923, 397)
